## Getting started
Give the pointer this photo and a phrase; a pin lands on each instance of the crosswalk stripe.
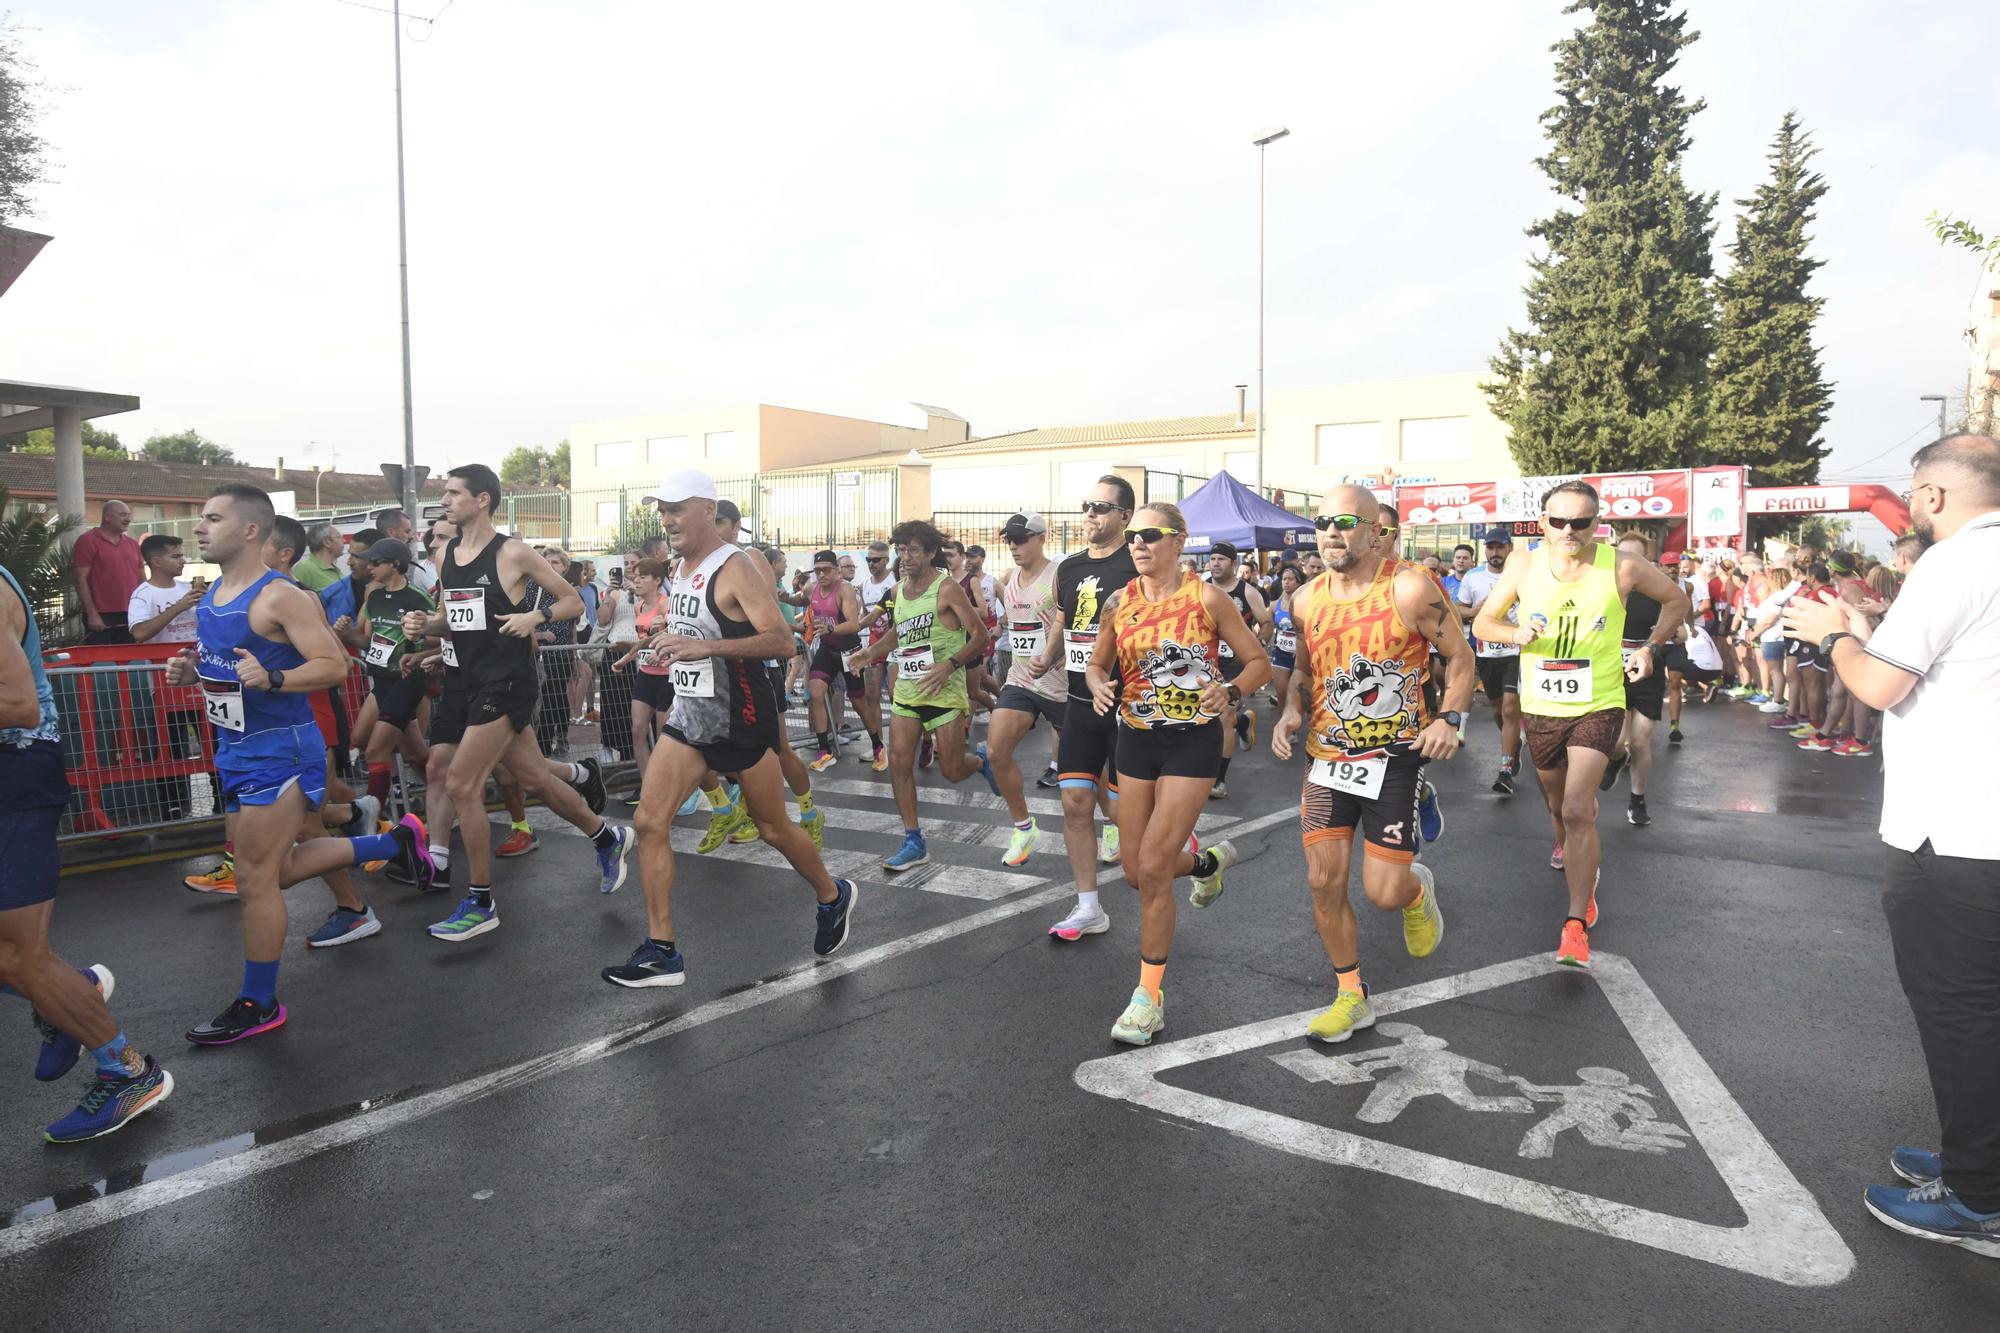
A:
(866, 867)
(973, 795)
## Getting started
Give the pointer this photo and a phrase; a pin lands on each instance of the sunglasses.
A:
(1573, 524)
(1339, 522)
(1102, 507)
(873, 558)
(822, 569)
(1149, 535)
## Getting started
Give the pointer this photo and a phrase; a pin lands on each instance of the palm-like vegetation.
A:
(32, 550)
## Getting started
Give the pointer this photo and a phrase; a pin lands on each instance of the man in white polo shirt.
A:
(1933, 667)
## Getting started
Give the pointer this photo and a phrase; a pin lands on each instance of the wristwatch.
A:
(277, 681)
(548, 614)
(1453, 718)
(1826, 644)
(1235, 695)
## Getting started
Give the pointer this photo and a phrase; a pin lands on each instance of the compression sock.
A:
(605, 836)
(1349, 977)
(1151, 974)
(1204, 865)
(378, 781)
(260, 983)
(1222, 772)
(111, 1057)
(805, 799)
(381, 846)
(482, 897)
(718, 798)
(1086, 900)
(825, 741)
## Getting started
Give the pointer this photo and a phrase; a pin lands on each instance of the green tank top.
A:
(1574, 667)
(921, 642)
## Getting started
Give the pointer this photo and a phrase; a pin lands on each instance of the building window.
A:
(668, 449)
(620, 453)
(719, 444)
(1437, 439)
(1243, 467)
(1345, 443)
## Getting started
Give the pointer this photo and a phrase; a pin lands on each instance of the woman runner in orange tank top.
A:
(1162, 640)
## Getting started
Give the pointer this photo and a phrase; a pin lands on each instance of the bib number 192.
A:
(1356, 777)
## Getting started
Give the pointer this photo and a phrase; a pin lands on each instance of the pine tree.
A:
(1611, 372)
(1769, 400)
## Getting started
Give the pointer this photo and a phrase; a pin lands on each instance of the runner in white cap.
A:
(1031, 622)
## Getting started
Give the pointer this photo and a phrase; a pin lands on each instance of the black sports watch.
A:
(1826, 644)
(1453, 718)
(277, 681)
(1235, 694)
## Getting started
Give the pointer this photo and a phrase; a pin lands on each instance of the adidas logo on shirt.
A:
(483, 581)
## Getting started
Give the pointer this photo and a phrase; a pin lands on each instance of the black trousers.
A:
(1944, 921)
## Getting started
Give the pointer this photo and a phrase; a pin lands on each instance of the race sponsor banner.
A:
(1624, 496)
(1633, 495)
(1471, 502)
(1715, 509)
(1797, 499)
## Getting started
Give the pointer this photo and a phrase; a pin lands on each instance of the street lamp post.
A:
(403, 277)
(1262, 139)
(1939, 399)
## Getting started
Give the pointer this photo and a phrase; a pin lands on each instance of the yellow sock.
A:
(718, 796)
(806, 801)
(1150, 977)
(1350, 979)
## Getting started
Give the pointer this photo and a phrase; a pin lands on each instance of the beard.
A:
(1925, 528)
(1347, 558)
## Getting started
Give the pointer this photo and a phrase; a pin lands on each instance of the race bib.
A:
(451, 654)
(380, 649)
(646, 657)
(1562, 680)
(465, 608)
(1286, 641)
(1078, 645)
(1222, 648)
(222, 701)
(1356, 777)
(1024, 640)
(913, 663)
(695, 680)
(847, 663)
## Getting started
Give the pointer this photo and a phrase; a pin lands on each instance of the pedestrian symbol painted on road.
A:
(1785, 1237)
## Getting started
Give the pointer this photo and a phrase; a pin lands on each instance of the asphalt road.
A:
(933, 1130)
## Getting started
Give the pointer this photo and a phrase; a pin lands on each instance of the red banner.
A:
(1625, 496)
(1468, 503)
(1633, 495)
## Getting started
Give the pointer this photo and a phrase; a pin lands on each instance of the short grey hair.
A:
(319, 534)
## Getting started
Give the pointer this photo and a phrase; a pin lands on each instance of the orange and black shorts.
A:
(1388, 821)
(1550, 739)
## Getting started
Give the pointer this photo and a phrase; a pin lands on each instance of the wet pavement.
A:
(933, 1129)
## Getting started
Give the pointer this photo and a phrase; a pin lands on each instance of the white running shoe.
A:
(1080, 923)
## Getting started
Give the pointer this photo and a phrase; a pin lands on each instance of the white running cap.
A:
(686, 484)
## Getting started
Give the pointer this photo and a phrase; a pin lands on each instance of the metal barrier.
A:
(981, 527)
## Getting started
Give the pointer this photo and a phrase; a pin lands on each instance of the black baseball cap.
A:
(388, 548)
(825, 558)
(727, 512)
(1223, 548)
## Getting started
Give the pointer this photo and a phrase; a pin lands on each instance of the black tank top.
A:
(1641, 614)
(486, 658)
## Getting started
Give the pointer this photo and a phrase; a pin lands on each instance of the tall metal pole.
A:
(403, 278)
(1260, 316)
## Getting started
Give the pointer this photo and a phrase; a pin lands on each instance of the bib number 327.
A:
(1356, 777)
(1562, 680)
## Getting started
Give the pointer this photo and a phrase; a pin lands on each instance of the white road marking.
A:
(972, 794)
(51, 1227)
(1786, 1238)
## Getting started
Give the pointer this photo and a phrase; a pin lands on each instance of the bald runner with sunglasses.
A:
(1571, 590)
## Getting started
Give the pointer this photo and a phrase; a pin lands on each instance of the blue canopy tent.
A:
(1225, 510)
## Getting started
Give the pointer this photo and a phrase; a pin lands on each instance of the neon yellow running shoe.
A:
(1141, 1019)
(1348, 1014)
(721, 824)
(1423, 920)
(1107, 846)
(1022, 845)
(815, 826)
(1207, 888)
(745, 832)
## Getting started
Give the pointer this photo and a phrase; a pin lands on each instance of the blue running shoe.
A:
(1916, 1165)
(1430, 814)
(59, 1050)
(344, 927)
(1933, 1212)
(611, 860)
(911, 853)
(986, 769)
(1758, 698)
(690, 805)
(110, 1104)
(466, 920)
(649, 965)
(834, 918)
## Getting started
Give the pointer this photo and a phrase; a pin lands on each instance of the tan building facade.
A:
(1434, 428)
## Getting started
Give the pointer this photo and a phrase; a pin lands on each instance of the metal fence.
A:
(981, 527)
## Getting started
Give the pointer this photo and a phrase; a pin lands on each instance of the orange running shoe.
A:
(373, 867)
(881, 761)
(519, 843)
(1590, 908)
(1574, 951)
(222, 879)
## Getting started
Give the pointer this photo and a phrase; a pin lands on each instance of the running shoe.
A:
(1933, 1212)
(986, 769)
(110, 1103)
(911, 853)
(1673, 736)
(59, 1050)
(1919, 1166)
(926, 751)
(815, 826)
(1207, 888)
(415, 840)
(401, 868)
(649, 965)
(1107, 846)
(1430, 812)
(592, 786)
(1141, 1020)
(1635, 812)
(1347, 1015)
(1556, 858)
(519, 842)
(1802, 731)
(1816, 742)
(367, 813)
(825, 760)
(1855, 749)
(344, 927)
(1246, 725)
(1590, 908)
(611, 860)
(222, 879)
(1048, 781)
(1503, 781)
(1784, 722)
(831, 920)
(1574, 949)
(688, 807)
(1612, 770)
(466, 920)
(243, 1018)
(1080, 923)
(723, 821)
(880, 763)
(1771, 706)
(1423, 920)
(1219, 792)
(1755, 697)
(1022, 844)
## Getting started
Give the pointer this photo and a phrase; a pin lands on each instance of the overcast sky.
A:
(1032, 213)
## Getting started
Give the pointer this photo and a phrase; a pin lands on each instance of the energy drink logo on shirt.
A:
(915, 630)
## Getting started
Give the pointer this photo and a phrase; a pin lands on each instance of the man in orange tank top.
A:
(1366, 629)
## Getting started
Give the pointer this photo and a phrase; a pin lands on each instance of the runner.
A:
(1164, 643)
(835, 608)
(1028, 594)
(68, 1003)
(378, 633)
(651, 678)
(983, 591)
(1499, 663)
(936, 635)
(1088, 584)
(1237, 724)
(877, 591)
(1645, 696)
(1367, 629)
(264, 646)
(1284, 632)
(723, 624)
(488, 582)
(1572, 590)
